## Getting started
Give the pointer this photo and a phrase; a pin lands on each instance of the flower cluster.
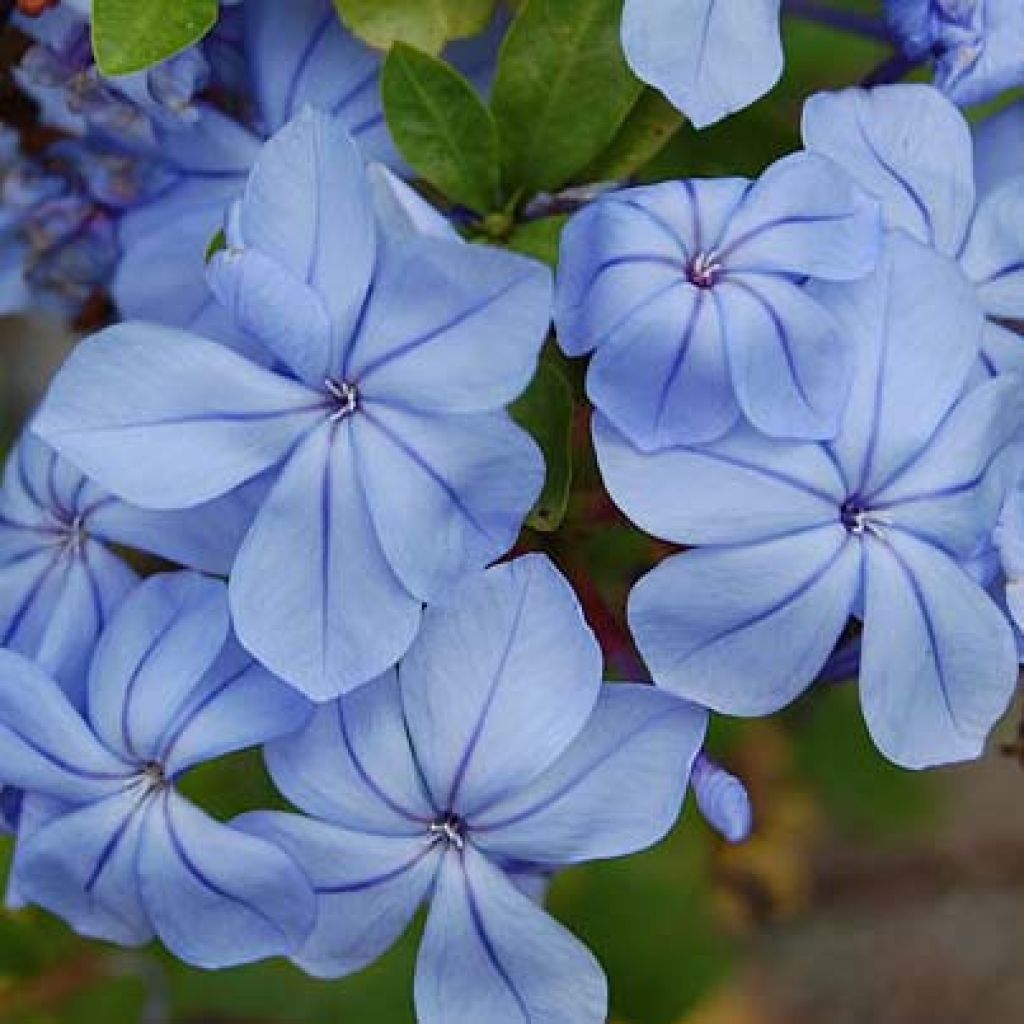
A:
(813, 379)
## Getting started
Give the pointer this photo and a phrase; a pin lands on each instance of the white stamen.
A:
(346, 395)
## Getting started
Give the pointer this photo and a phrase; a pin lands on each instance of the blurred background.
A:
(867, 894)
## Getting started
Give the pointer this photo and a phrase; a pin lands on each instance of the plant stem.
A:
(892, 69)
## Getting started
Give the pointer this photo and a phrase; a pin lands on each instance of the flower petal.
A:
(216, 896)
(710, 57)
(448, 495)
(307, 208)
(499, 682)
(44, 744)
(348, 617)
(368, 887)
(81, 866)
(451, 327)
(352, 765)
(618, 788)
(742, 488)
(913, 328)
(789, 364)
(997, 147)
(939, 665)
(744, 630)
(908, 146)
(161, 643)
(804, 216)
(167, 420)
(994, 255)
(491, 954)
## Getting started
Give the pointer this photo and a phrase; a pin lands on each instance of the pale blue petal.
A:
(168, 420)
(994, 255)
(791, 368)
(908, 146)
(368, 887)
(709, 57)
(914, 328)
(744, 630)
(499, 682)
(161, 643)
(307, 207)
(491, 954)
(976, 73)
(402, 211)
(939, 665)
(81, 866)
(742, 488)
(447, 495)
(804, 216)
(451, 327)
(664, 377)
(348, 616)
(352, 765)
(216, 896)
(215, 147)
(44, 744)
(999, 147)
(723, 800)
(237, 705)
(1002, 350)
(618, 788)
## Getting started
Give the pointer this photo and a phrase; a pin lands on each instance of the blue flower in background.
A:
(883, 523)
(709, 57)
(396, 469)
(59, 579)
(494, 743)
(977, 46)
(912, 149)
(692, 294)
(999, 148)
(105, 840)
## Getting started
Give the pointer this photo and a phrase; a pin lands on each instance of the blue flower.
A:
(709, 57)
(692, 294)
(105, 840)
(396, 469)
(60, 580)
(883, 523)
(999, 148)
(492, 747)
(910, 147)
(977, 46)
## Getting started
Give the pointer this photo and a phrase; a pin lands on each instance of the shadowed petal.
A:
(499, 681)
(939, 664)
(998, 143)
(168, 420)
(368, 887)
(994, 255)
(447, 495)
(710, 57)
(216, 896)
(908, 146)
(617, 789)
(491, 954)
(348, 617)
(744, 630)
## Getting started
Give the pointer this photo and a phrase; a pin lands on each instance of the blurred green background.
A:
(867, 894)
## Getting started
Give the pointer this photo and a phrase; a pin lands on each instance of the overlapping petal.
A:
(998, 144)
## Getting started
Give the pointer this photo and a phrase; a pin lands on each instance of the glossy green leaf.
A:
(539, 238)
(425, 24)
(442, 128)
(562, 89)
(130, 35)
(546, 411)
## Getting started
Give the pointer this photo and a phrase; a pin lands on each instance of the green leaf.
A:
(442, 128)
(562, 89)
(539, 238)
(131, 35)
(468, 17)
(217, 244)
(425, 24)
(650, 126)
(546, 411)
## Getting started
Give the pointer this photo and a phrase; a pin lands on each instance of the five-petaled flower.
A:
(396, 470)
(693, 295)
(492, 747)
(883, 523)
(104, 838)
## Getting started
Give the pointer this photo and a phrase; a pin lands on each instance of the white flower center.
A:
(345, 394)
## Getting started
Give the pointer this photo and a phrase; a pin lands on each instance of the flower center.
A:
(75, 534)
(153, 777)
(451, 830)
(859, 520)
(704, 270)
(346, 398)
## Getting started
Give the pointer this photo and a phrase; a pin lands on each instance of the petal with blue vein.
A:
(994, 255)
